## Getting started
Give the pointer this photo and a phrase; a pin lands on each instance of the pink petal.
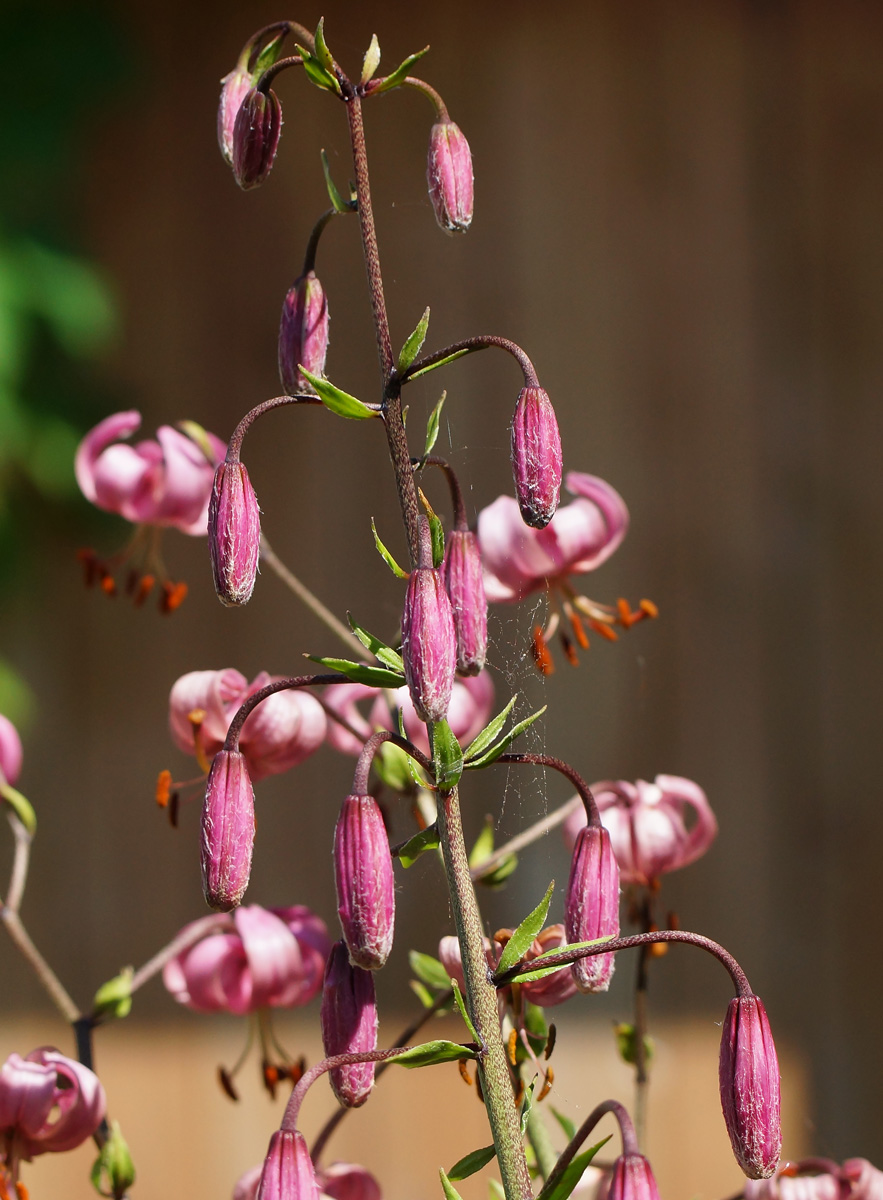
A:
(27, 1093)
(215, 976)
(218, 694)
(282, 731)
(187, 483)
(120, 425)
(273, 955)
(515, 561)
(703, 832)
(343, 699)
(80, 1105)
(10, 750)
(584, 549)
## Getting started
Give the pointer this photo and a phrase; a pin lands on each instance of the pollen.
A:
(547, 1084)
(163, 788)
(540, 651)
(512, 1046)
(464, 1071)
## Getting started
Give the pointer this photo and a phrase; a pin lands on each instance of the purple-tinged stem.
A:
(557, 764)
(420, 85)
(469, 346)
(306, 1081)
(235, 444)
(373, 744)
(216, 923)
(280, 685)
(432, 460)
(282, 64)
(626, 1131)
(313, 243)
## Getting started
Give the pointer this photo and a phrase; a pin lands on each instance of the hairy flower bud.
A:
(303, 333)
(749, 1084)
(234, 88)
(591, 907)
(429, 647)
(364, 879)
(536, 457)
(449, 176)
(631, 1179)
(256, 133)
(227, 831)
(234, 533)
(349, 1025)
(288, 1169)
(465, 588)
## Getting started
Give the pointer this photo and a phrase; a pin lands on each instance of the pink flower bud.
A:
(288, 1170)
(10, 751)
(749, 1084)
(349, 1181)
(234, 88)
(591, 908)
(227, 831)
(365, 885)
(256, 133)
(429, 647)
(349, 1025)
(631, 1179)
(303, 333)
(234, 533)
(449, 175)
(536, 457)
(465, 588)
(47, 1103)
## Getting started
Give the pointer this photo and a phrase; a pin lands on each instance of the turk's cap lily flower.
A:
(47, 1103)
(449, 177)
(591, 905)
(163, 482)
(273, 958)
(234, 534)
(10, 751)
(470, 709)
(365, 884)
(749, 1087)
(819, 1179)
(340, 1181)
(234, 88)
(281, 732)
(648, 826)
(303, 333)
(536, 457)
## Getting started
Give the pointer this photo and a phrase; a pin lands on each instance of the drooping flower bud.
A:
(348, 1181)
(288, 1169)
(256, 133)
(632, 1179)
(749, 1084)
(364, 879)
(449, 176)
(429, 646)
(234, 533)
(591, 907)
(303, 333)
(536, 457)
(228, 828)
(10, 751)
(349, 1025)
(234, 88)
(465, 588)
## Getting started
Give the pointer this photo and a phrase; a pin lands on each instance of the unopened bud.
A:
(632, 1179)
(234, 533)
(256, 133)
(288, 1169)
(303, 333)
(227, 831)
(429, 647)
(536, 457)
(234, 88)
(364, 879)
(349, 1025)
(465, 588)
(749, 1083)
(591, 907)
(349, 1181)
(449, 175)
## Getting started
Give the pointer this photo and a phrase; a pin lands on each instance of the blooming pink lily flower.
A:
(819, 1179)
(47, 1103)
(275, 958)
(282, 731)
(470, 709)
(547, 992)
(340, 1181)
(10, 751)
(648, 827)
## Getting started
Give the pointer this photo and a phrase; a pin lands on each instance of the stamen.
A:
(512, 1045)
(550, 1043)
(568, 648)
(172, 596)
(605, 631)
(90, 564)
(540, 650)
(271, 1076)
(163, 788)
(174, 808)
(648, 608)
(576, 625)
(145, 587)
(547, 1084)
(464, 1071)
(519, 1092)
(226, 1083)
(108, 586)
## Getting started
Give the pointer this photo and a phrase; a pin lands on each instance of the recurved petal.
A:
(119, 425)
(78, 1104)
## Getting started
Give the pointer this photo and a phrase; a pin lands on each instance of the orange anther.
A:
(172, 597)
(579, 630)
(623, 610)
(658, 949)
(540, 650)
(107, 585)
(512, 1046)
(648, 608)
(605, 631)
(519, 1092)
(21, 1191)
(227, 1083)
(196, 716)
(464, 1071)
(145, 587)
(547, 1084)
(550, 1041)
(163, 788)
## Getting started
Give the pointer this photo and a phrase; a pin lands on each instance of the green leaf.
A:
(385, 554)
(323, 54)
(337, 201)
(500, 873)
(484, 844)
(482, 740)
(429, 970)
(566, 1124)
(437, 534)
(432, 425)
(505, 742)
(451, 1192)
(339, 402)
(371, 60)
(22, 807)
(414, 344)
(442, 362)
(389, 657)
(392, 765)
(574, 1172)
(114, 998)
(317, 73)
(268, 56)
(397, 78)
(113, 1172)
(470, 1163)
(377, 677)
(527, 1103)
(627, 1044)
(423, 994)
(540, 972)
(458, 1000)
(447, 757)
(519, 942)
(426, 839)
(430, 1053)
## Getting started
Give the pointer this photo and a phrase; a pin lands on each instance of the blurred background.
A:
(678, 215)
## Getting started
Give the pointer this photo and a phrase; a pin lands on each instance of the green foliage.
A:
(470, 1163)
(520, 941)
(432, 425)
(377, 677)
(114, 998)
(431, 1053)
(414, 344)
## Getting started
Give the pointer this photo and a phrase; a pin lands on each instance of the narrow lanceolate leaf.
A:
(505, 742)
(450, 1191)
(430, 1053)
(519, 942)
(537, 971)
(377, 677)
(426, 839)
(437, 534)
(371, 61)
(481, 742)
(337, 201)
(429, 970)
(470, 1163)
(566, 1124)
(322, 52)
(447, 757)
(484, 844)
(317, 73)
(574, 1173)
(423, 994)
(414, 344)
(397, 78)
(22, 807)
(500, 873)
(527, 1103)
(386, 556)
(389, 657)
(441, 363)
(433, 424)
(338, 401)
(461, 1005)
